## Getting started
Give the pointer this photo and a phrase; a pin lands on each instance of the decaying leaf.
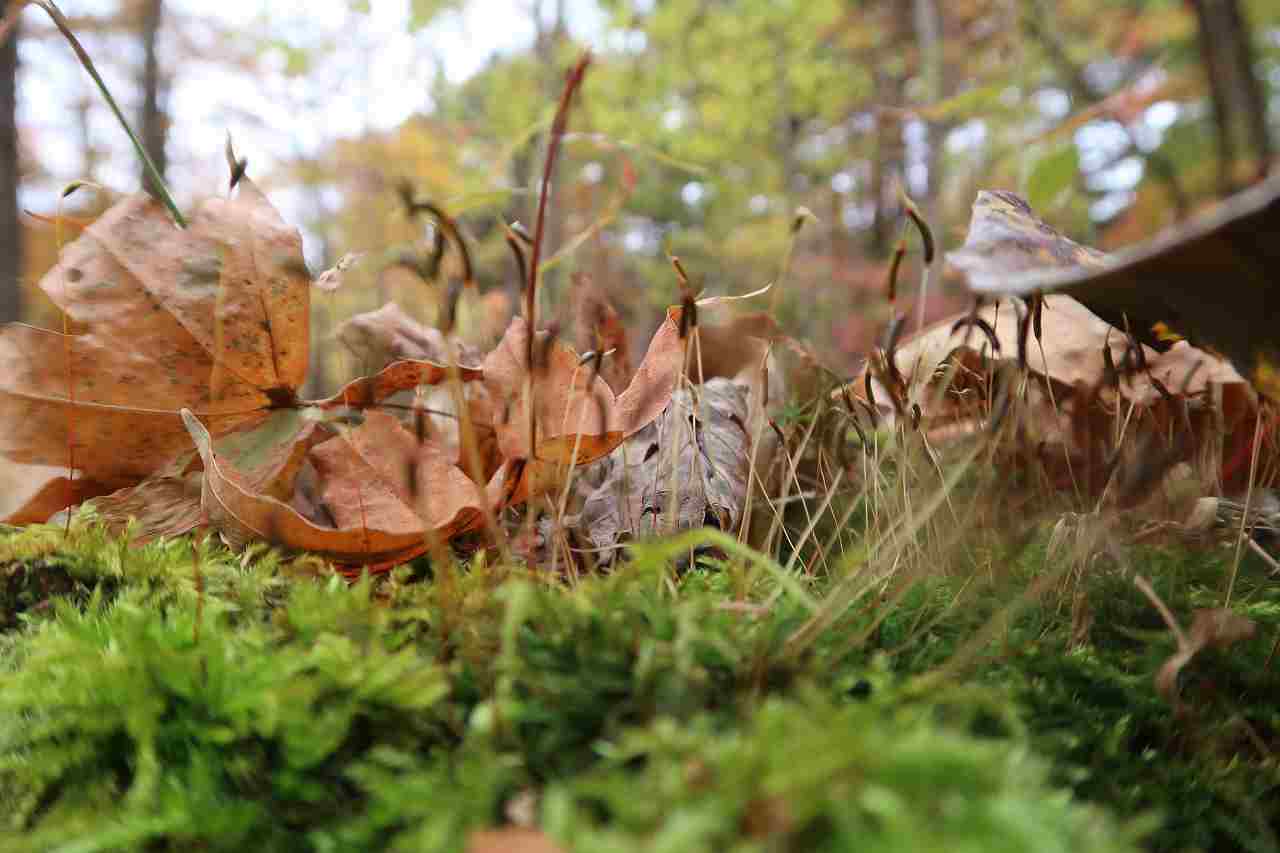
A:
(386, 495)
(158, 506)
(599, 329)
(212, 318)
(377, 338)
(331, 279)
(687, 469)
(380, 337)
(1211, 279)
(1074, 346)
(576, 415)
(1071, 352)
(1088, 370)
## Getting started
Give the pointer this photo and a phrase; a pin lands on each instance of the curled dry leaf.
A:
(398, 376)
(386, 494)
(573, 408)
(377, 338)
(213, 318)
(599, 329)
(331, 279)
(1006, 241)
(158, 506)
(1211, 279)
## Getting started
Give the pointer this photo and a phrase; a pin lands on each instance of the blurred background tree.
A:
(703, 126)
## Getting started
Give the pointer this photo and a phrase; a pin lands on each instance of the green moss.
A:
(641, 712)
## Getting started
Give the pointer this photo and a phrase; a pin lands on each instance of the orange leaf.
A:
(366, 487)
(572, 406)
(212, 318)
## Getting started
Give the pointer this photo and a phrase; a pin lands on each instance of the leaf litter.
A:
(1092, 361)
(199, 336)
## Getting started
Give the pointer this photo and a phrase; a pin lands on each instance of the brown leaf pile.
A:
(1211, 280)
(1087, 375)
(198, 338)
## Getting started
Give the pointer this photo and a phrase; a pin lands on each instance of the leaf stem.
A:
(157, 181)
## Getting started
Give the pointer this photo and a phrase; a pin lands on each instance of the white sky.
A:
(371, 73)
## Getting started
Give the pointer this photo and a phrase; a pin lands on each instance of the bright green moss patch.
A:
(637, 711)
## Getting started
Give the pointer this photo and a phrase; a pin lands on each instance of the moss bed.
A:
(178, 696)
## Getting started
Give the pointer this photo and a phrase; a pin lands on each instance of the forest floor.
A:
(180, 696)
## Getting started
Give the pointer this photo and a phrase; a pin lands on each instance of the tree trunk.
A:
(927, 23)
(153, 120)
(1239, 110)
(10, 225)
(1252, 102)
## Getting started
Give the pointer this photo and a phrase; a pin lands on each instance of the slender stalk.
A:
(558, 125)
(157, 182)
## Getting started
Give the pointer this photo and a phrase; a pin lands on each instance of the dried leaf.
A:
(573, 407)
(1075, 347)
(386, 494)
(30, 494)
(1070, 352)
(331, 279)
(687, 469)
(395, 377)
(1210, 279)
(159, 506)
(377, 338)
(384, 461)
(213, 318)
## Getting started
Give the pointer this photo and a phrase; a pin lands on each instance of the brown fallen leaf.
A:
(577, 417)
(1074, 348)
(687, 469)
(377, 338)
(30, 494)
(387, 495)
(1211, 279)
(212, 318)
(369, 391)
(158, 506)
(1071, 351)
(598, 328)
